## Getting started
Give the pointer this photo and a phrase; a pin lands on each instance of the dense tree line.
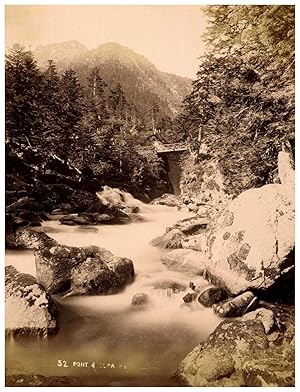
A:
(90, 126)
(241, 109)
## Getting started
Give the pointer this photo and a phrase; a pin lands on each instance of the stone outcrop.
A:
(250, 243)
(185, 260)
(28, 308)
(242, 353)
(81, 270)
(184, 233)
(169, 200)
(170, 240)
(75, 270)
(202, 180)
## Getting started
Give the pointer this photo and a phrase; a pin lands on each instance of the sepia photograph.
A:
(149, 195)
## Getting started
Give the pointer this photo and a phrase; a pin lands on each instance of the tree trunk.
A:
(286, 170)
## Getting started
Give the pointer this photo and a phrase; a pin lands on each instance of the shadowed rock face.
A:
(28, 308)
(14, 379)
(82, 271)
(241, 353)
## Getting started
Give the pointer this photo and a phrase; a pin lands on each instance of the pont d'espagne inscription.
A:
(90, 364)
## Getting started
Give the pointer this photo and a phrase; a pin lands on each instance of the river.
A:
(104, 340)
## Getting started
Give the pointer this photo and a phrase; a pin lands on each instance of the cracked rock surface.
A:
(253, 351)
(28, 308)
(250, 243)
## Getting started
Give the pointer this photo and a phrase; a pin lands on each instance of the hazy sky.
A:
(169, 36)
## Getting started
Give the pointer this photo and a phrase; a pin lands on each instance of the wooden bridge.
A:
(162, 148)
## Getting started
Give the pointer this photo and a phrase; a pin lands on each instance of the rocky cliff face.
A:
(202, 180)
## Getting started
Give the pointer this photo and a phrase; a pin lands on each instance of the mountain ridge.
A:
(142, 81)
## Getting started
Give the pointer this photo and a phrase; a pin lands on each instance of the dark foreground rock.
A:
(71, 270)
(237, 306)
(95, 219)
(241, 353)
(28, 308)
(13, 379)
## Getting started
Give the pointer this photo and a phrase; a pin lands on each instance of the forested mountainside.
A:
(143, 84)
(97, 109)
(93, 119)
(96, 120)
(241, 109)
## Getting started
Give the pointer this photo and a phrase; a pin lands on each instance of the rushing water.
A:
(126, 345)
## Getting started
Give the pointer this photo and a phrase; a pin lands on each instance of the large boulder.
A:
(184, 233)
(170, 240)
(250, 243)
(28, 308)
(191, 225)
(240, 353)
(25, 203)
(195, 242)
(185, 260)
(28, 239)
(77, 270)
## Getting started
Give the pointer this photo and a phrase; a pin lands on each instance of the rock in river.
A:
(171, 239)
(140, 299)
(81, 270)
(185, 260)
(210, 295)
(95, 218)
(28, 308)
(75, 270)
(240, 353)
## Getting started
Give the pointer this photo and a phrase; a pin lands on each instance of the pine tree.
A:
(23, 96)
(72, 111)
(96, 98)
(242, 103)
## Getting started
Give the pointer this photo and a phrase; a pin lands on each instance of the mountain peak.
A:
(116, 51)
(64, 52)
(142, 82)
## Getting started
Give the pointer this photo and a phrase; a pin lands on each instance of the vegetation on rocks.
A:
(254, 351)
(241, 108)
